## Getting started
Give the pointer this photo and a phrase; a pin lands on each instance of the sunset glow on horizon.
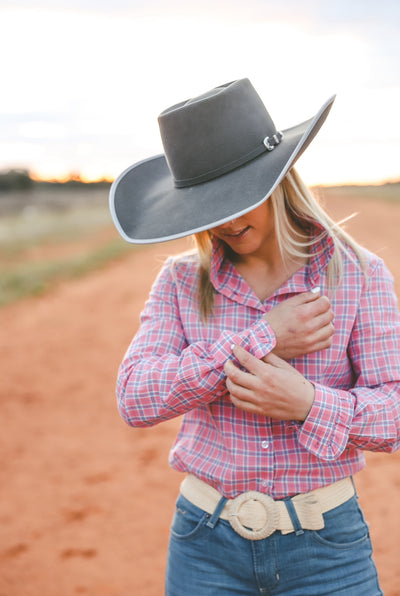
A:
(87, 84)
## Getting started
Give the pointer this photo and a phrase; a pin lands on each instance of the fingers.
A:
(255, 367)
(247, 360)
(237, 376)
(313, 294)
(319, 305)
(306, 306)
(320, 324)
(246, 405)
(238, 393)
(240, 384)
(320, 339)
(305, 297)
(315, 319)
(302, 324)
(279, 392)
(246, 388)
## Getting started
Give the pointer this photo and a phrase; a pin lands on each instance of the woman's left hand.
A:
(270, 387)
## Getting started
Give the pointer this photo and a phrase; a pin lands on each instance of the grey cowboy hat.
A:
(223, 157)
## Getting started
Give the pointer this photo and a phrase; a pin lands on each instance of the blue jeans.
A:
(334, 561)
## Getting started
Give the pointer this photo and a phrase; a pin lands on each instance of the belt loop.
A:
(354, 486)
(293, 516)
(212, 522)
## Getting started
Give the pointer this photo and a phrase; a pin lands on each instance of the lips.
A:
(237, 235)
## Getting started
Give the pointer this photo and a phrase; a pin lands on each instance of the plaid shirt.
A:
(174, 367)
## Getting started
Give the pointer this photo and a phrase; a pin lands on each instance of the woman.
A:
(278, 342)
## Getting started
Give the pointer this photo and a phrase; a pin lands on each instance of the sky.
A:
(83, 81)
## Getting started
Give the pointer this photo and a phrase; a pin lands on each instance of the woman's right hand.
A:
(302, 325)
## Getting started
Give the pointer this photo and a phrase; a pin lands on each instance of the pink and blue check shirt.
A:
(174, 367)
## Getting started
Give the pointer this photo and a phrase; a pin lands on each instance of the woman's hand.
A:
(271, 387)
(302, 325)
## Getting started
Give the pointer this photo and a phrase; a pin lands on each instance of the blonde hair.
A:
(295, 210)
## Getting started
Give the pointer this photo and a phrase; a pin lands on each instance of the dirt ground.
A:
(85, 501)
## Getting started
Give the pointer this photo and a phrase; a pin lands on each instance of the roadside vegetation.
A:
(53, 234)
(390, 191)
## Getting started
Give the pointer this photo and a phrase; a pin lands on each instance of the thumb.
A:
(310, 296)
(304, 297)
(276, 361)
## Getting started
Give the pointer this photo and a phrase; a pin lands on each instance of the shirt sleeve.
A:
(368, 415)
(163, 376)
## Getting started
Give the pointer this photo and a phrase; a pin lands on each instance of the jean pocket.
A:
(345, 527)
(188, 520)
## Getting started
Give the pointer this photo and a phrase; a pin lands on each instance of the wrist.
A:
(308, 400)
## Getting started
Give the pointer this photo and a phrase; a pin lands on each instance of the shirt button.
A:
(265, 444)
(265, 483)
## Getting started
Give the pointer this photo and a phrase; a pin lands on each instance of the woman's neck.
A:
(267, 270)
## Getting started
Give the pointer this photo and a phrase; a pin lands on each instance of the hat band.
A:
(268, 144)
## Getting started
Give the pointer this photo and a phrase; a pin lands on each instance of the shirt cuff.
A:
(325, 431)
(259, 339)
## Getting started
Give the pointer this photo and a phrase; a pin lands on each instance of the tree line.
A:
(22, 180)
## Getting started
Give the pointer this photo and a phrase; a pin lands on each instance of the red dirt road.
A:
(85, 501)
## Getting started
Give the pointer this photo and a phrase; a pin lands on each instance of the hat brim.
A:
(147, 208)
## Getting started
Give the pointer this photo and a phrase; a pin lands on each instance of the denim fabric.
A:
(334, 561)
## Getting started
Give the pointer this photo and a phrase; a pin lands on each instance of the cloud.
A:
(356, 12)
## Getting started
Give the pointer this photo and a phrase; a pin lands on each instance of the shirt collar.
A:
(227, 280)
(321, 252)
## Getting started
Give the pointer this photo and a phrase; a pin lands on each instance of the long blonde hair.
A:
(294, 208)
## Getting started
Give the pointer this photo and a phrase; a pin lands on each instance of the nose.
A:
(228, 224)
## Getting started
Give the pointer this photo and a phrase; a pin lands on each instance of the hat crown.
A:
(214, 133)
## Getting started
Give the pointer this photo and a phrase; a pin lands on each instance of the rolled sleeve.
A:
(259, 339)
(163, 375)
(367, 415)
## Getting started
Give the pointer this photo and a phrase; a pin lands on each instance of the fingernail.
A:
(232, 347)
(316, 290)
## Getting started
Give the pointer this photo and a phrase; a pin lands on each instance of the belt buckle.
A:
(253, 510)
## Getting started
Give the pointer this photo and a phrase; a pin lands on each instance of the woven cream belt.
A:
(255, 515)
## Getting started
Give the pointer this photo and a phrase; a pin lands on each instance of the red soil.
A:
(85, 501)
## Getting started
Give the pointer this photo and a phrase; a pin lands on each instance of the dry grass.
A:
(40, 246)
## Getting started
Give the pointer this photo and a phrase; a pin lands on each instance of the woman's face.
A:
(250, 234)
